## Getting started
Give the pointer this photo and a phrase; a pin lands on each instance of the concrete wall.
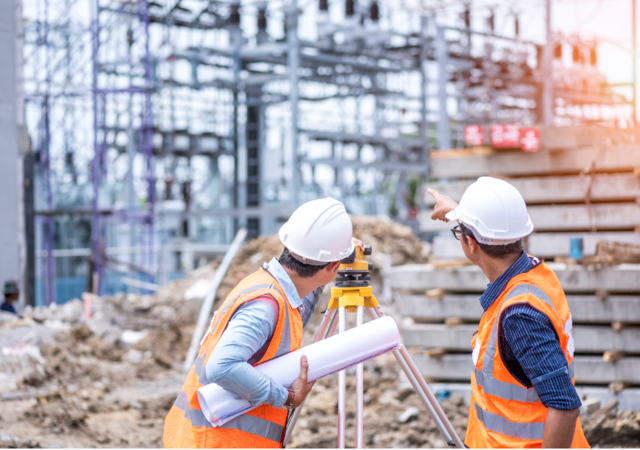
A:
(9, 166)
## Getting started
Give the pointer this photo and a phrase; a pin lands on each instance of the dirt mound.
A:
(394, 416)
(615, 429)
(393, 244)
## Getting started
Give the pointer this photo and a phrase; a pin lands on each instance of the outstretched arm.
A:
(444, 205)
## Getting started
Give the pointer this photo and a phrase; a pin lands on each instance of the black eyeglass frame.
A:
(457, 232)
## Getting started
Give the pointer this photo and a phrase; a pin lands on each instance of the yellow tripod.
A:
(353, 293)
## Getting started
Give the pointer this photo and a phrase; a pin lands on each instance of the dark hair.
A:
(494, 251)
(303, 270)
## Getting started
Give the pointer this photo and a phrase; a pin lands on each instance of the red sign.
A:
(530, 140)
(473, 135)
(505, 136)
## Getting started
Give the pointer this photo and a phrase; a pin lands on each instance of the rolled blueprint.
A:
(325, 357)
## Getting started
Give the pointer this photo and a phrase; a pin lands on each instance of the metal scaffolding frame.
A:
(161, 124)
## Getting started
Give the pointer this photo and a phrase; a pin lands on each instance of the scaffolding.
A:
(160, 128)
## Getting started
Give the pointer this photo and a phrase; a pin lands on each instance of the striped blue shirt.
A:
(529, 346)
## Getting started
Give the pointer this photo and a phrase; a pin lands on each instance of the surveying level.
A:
(353, 293)
(353, 287)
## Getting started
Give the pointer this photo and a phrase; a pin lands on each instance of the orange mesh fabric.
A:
(264, 426)
(503, 412)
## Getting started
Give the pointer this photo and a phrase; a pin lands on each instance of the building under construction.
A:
(159, 128)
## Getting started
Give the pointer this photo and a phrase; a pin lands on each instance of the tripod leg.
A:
(416, 380)
(329, 317)
(332, 325)
(360, 390)
(432, 399)
(342, 386)
(416, 386)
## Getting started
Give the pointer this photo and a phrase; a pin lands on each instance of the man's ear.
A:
(473, 245)
(333, 267)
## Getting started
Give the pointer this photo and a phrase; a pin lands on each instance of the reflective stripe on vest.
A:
(484, 377)
(245, 422)
(285, 342)
(497, 423)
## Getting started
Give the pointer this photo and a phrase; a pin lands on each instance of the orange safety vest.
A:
(503, 412)
(262, 427)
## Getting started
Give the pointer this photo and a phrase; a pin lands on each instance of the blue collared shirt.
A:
(245, 340)
(531, 351)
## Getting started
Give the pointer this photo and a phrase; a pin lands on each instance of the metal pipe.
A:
(633, 52)
(547, 71)
(293, 57)
(342, 386)
(207, 304)
(360, 389)
(442, 54)
(329, 316)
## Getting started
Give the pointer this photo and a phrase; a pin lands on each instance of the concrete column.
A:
(9, 159)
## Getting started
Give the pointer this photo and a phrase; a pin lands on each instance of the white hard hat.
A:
(495, 212)
(318, 232)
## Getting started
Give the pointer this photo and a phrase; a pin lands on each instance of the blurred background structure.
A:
(158, 128)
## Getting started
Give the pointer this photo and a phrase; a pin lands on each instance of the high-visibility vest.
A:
(262, 427)
(503, 412)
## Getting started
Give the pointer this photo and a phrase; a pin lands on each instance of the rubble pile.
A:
(394, 416)
(393, 245)
(613, 429)
(108, 380)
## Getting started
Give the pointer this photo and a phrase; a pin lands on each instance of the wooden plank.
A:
(584, 308)
(588, 339)
(605, 187)
(619, 279)
(608, 216)
(617, 158)
(588, 369)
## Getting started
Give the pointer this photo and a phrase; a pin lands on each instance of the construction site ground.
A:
(109, 380)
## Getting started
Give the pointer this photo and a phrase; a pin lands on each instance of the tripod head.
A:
(354, 269)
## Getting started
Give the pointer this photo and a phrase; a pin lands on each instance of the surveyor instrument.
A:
(353, 294)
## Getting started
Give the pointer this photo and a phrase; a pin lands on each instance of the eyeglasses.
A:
(457, 232)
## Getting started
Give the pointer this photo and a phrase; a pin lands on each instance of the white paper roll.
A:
(325, 357)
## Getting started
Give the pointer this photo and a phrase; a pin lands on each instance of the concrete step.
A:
(602, 187)
(602, 216)
(624, 278)
(628, 399)
(584, 308)
(588, 369)
(616, 158)
(543, 245)
(588, 339)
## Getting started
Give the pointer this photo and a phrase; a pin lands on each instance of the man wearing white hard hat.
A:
(522, 379)
(261, 319)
